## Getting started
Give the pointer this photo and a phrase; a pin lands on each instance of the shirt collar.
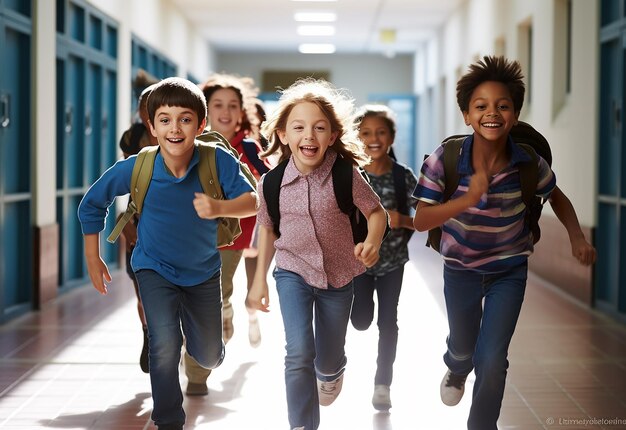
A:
(292, 172)
(518, 155)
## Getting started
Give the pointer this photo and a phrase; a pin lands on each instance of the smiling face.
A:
(225, 112)
(308, 134)
(375, 134)
(491, 113)
(176, 128)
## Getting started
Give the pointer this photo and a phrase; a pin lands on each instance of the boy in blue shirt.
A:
(175, 259)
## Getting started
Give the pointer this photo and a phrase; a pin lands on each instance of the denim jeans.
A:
(316, 322)
(198, 310)
(387, 289)
(480, 334)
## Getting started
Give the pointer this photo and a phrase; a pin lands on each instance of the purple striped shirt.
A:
(493, 236)
(316, 237)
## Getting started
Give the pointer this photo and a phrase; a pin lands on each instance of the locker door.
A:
(71, 261)
(610, 274)
(15, 168)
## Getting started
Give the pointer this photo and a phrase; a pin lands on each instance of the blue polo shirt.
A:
(171, 238)
(493, 236)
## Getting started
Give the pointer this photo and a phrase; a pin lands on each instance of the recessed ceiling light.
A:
(316, 30)
(316, 48)
(315, 16)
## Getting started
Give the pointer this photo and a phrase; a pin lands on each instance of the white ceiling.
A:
(269, 25)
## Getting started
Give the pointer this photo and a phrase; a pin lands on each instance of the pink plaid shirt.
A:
(316, 238)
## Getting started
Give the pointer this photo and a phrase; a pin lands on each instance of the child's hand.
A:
(479, 185)
(99, 273)
(258, 297)
(366, 253)
(206, 207)
(583, 251)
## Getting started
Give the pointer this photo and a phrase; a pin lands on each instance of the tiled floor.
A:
(74, 366)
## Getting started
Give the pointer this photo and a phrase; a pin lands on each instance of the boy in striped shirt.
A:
(486, 240)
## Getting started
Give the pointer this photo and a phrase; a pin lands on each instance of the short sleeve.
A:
(431, 181)
(546, 181)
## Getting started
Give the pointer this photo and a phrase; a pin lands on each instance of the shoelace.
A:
(455, 381)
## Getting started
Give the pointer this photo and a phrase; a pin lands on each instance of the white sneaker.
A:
(298, 428)
(382, 398)
(328, 391)
(452, 388)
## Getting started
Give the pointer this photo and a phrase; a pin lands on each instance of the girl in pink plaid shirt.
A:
(316, 258)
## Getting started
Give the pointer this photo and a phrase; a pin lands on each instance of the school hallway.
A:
(74, 365)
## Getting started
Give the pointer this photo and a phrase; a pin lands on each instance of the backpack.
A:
(342, 175)
(398, 172)
(529, 139)
(228, 229)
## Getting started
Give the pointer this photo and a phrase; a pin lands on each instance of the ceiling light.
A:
(316, 30)
(316, 48)
(315, 16)
(314, 1)
(387, 35)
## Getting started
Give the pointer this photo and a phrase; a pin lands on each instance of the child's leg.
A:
(388, 289)
(362, 313)
(201, 316)
(230, 261)
(296, 306)
(504, 294)
(254, 331)
(161, 302)
(463, 292)
(332, 313)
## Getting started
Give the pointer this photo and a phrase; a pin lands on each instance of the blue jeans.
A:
(312, 352)
(480, 334)
(198, 310)
(387, 287)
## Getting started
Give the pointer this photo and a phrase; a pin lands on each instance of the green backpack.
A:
(228, 229)
(529, 139)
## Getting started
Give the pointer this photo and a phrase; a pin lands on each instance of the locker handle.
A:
(5, 105)
(69, 113)
(88, 127)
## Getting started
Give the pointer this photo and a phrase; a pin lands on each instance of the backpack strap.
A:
(529, 175)
(210, 136)
(451, 155)
(271, 193)
(207, 171)
(452, 147)
(139, 183)
(342, 176)
(399, 184)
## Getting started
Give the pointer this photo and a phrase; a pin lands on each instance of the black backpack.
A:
(342, 185)
(529, 139)
(398, 172)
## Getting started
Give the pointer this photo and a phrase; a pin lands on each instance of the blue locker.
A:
(15, 164)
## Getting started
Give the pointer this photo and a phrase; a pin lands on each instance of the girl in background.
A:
(394, 184)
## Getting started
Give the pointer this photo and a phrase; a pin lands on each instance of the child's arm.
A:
(97, 268)
(429, 216)
(258, 296)
(367, 251)
(240, 207)
(399, 220)
(565, 212)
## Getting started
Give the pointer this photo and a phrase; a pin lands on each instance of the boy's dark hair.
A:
(177, 92)
(492, 68)
(377, 111)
